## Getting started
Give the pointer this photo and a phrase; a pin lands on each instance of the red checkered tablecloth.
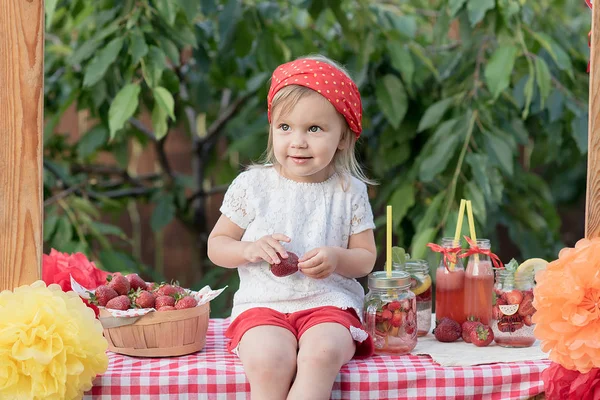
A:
(213, 373)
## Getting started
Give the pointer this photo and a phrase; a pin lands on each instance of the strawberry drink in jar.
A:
(420, 285)
(390, 313)
(513, 308)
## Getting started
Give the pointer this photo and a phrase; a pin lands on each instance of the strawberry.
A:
(393, 306)
(287, 266)
(527, 320)
(447, 330)
(510, 323)
(410, 328)
(467, 327)
(482, 335)
(152, 286)
(397, 318)
(143, 299)
(168, 290)
(526, 307)
(121, 302)
(162, 301)
(135, 282)
(119, 283)
(167, 308)
(186, 302)
(103, 295)
(386, 314)
(496, 313)
(513, 297)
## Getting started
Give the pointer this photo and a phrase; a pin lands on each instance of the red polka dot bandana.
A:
(325, 79)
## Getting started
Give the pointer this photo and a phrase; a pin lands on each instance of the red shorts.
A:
(298, 323)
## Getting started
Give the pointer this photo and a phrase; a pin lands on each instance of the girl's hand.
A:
(266, 248)
(319, 263)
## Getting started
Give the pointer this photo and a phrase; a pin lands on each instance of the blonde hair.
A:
(344, 160)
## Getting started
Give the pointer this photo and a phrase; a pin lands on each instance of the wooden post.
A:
(592, 205)
(21, 123)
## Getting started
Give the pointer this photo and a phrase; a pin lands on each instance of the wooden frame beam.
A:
(21, 141)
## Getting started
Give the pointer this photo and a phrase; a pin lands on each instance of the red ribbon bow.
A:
(449, 254)
(486, 252)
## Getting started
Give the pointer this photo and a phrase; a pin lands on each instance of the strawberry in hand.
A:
(319, 263)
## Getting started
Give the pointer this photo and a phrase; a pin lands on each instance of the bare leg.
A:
(268, 354)
(324, 348)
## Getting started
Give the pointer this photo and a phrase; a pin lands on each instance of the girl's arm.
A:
(226, 249)
(359, 258)
(354, 262)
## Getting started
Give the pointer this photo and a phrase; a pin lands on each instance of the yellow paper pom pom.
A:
(51, 345)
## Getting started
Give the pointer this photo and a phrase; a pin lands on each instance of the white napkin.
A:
(461, 354)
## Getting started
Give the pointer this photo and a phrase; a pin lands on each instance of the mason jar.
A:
(513, 308)
(450, 285)
(420, 285)
(390, 312)
(479, 283)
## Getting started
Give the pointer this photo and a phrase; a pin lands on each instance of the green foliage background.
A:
(478, 99)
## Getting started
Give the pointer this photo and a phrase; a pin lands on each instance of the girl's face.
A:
(305, 139)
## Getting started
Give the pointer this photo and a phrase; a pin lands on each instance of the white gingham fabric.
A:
(214, 373)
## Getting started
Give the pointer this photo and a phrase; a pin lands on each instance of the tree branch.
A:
(142, 128)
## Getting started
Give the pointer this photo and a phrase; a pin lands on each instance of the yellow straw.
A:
(461, 215)
(388, 265)
(472, 226)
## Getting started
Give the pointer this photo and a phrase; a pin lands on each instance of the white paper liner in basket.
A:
(203, 296)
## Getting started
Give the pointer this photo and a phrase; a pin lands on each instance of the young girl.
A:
(310, 198)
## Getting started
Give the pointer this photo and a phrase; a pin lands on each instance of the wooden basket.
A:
(157, 334)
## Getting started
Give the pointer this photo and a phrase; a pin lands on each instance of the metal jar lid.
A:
(397, 280)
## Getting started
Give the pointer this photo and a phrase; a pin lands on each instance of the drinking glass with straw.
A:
(461, 215)
(472, 227)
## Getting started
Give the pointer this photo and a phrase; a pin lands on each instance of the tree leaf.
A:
(123, 107)
(418, 246)
(474, 193)
(418, 51)
(163, 213)
(228, 19)
(558, 54)
(499, 69)
(434, 114)
(190, 8)
(167, 10)
(401, 201)
(405, 24)
(579, 132)
(501, 152)
(165, 100)
(392, 99)
(401, 61)
(107, 229)
(100, 63)
(479, 169)
(138, 47)
(544, 80)
(170, 49)
(528, 92)
(477, 9)
(159, 121)
(431, 215)
(455, 6)
(49, 8)
(153, 66)
(92, 141)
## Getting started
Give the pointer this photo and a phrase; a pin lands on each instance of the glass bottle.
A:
(420, 285)
(449, 286)
(479, 285)
(513, 309)
(390, 313)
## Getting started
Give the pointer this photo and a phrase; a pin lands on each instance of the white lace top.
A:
(312, 215)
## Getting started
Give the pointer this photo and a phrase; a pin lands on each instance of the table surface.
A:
(214, 373)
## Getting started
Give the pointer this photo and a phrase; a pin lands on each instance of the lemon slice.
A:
(530, 266)
(425, 284)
